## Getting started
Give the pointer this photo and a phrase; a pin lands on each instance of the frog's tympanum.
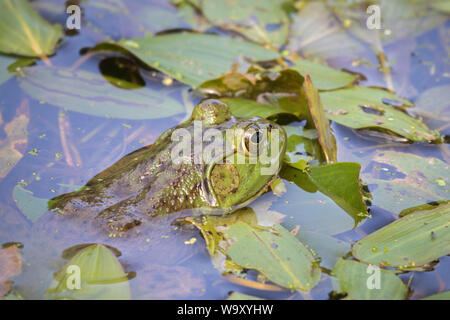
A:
(150, 182)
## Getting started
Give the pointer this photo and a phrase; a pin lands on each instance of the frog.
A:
(132, 204)
(147, 183)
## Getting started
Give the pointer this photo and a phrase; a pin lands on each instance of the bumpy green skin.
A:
(146, 183)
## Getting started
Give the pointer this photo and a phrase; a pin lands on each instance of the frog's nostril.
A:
(269, 127)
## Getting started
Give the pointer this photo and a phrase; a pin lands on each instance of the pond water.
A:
(63, 149)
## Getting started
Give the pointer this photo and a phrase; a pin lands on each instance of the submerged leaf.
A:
(5, 61)
(359, 281)
(90, 93)
(409, 242)
(93, 273)
(32, 207)
(24, 32)
(262, 21)
(367, 108)
(10, 266)
(11, 147)
(188, 57)
(315, 32)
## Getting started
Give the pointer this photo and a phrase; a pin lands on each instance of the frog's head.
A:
(251, 157)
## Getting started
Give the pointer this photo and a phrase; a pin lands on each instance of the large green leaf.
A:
(354, 279)
(412, 241)
(278, 256)
(262, 21)
(188, 57)
(400, 180)
(24, 32)
(322, 76)
(90, 93)
(367, 108)
(101, 277)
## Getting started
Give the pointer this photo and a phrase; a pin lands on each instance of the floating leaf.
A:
(10, 266)
(188, 57)
(16, 137)
(90, 93)
(365, 108)
(247, 108)
(24, 32)
(322, 76)
(355, 279)
(278, 256)
(325, 247)
(32, 207)
(409, 242)
(400, 180)
(439, 296)
(262, 21)
(324, 132)
(100, 274)
(242, 296)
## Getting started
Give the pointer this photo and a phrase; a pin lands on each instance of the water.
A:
(94, 143)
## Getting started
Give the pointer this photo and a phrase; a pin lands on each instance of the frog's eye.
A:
(252, 140)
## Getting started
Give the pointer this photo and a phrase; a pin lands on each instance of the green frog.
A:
(132, 205)
(159, 179)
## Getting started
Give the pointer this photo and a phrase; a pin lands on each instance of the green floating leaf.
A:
(101, 277)
(278, 256)
(439, 296)
(32, 207)
(188, 57)
(401, 180)
(365, 108)
(412, 241)
(356, 279)
(242, 296)
(341, 182)
(321, 123)
(90, 93)
(24, 32)
(322, 76)
(262, 21)
(325, 247)
(247, 108)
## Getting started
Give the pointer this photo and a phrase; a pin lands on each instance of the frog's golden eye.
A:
(252, 140)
